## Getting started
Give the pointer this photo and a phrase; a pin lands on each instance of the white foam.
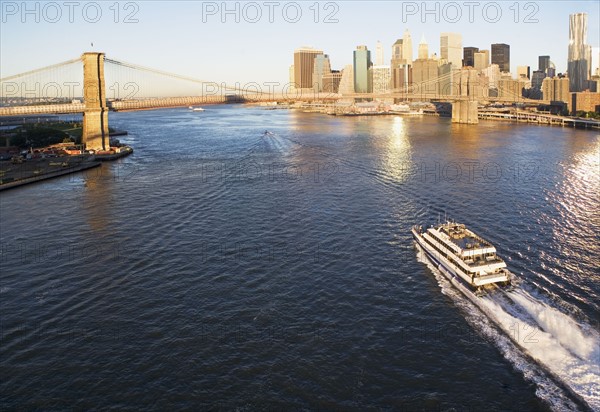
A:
(564, 328)
(581, 375)
(552, 338)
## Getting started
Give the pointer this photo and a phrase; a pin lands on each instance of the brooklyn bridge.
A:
(109, 84)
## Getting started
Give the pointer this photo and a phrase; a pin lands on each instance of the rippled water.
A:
(221, 268)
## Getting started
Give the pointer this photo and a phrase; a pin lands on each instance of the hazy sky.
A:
(204, 40)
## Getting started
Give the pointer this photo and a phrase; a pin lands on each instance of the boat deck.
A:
(465, 239)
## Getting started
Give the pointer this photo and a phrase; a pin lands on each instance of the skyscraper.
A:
(425, 75)
(556, 89)
(523, 72)
(346, 85)
(363, 75)
(543, 63)
(580, 54)
(397, 65)
(321, 68)
(304, 65)
(423, 49)
(481, 59)
(379, 54)
(407, 48)
(501, 56)
(469, 56)
(451, 49)
(381, 78)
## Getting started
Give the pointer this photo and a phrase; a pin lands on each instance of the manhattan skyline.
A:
(200, 40)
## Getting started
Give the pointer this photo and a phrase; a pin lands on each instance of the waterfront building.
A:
(580, 53)
(586, 101)
(501, 56)
(363, 74)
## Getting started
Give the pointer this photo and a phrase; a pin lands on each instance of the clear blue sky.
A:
(197, 39)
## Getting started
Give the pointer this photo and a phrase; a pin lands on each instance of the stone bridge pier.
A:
(95, 116)
(465, 110)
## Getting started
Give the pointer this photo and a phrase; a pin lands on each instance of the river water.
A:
(224, 268)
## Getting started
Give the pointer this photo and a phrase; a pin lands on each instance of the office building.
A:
(425, 76)
(322, 67)
(501, 56)
(556, 89)
(407, 47)
(347, 80)
(304, 66)
(469, 56)
(379, 61)
(363, 74)
(451, 48)
(398, 66)
(585, 101)
(381, 79)
(523, 72)
(481, 59)
(423, 52)
(543, 63)
(331, 81)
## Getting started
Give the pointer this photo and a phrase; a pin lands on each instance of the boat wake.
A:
(275, 143)
(550, 348)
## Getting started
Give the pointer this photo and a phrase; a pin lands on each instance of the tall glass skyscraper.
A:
(580, 53)
(363, 75)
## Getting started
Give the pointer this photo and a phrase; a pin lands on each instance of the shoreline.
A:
(519, 118)
(30, 168)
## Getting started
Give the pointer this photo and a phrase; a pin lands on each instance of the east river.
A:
(224, 268)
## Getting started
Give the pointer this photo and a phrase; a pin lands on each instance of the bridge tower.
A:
(465, 111)
(95, 117)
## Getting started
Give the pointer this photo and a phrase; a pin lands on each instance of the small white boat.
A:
(196, 109)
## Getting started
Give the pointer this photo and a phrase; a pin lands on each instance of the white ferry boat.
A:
(461, 254)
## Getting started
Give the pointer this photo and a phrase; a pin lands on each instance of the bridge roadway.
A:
(154, 103)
